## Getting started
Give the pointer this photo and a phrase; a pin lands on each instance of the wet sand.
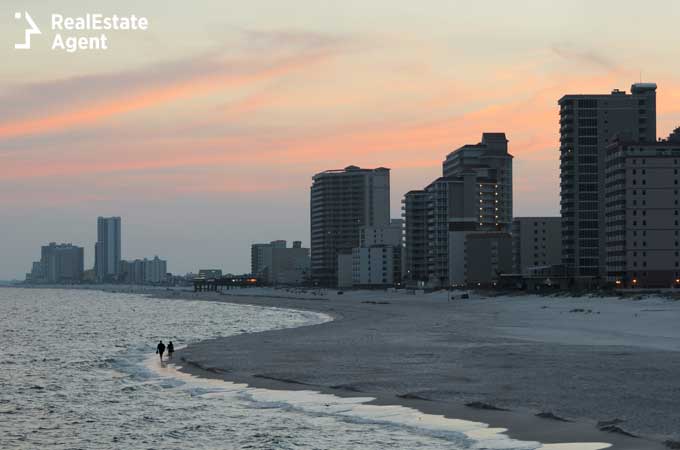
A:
(581, 360)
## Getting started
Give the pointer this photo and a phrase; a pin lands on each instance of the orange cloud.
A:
(153, 96)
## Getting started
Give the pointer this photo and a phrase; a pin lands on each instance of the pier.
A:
(219, 284)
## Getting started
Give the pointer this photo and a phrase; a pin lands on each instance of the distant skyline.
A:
(203, 133)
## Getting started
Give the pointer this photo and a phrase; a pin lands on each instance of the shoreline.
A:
(223, 359)
(479, 428)
(216, 359)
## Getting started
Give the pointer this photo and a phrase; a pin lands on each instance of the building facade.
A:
(414, 214)
(642, 209)
(489, 159)
(261, 256)
(144, 271)
(536, 242)
(341, 203)
(59, 263)
(107, 249)
(473, 209)
(487, 256)
(277, 264)
(473, 196)
(155, 270)
(588, 123)
(376, 267)
(210, 273)
(377, 263)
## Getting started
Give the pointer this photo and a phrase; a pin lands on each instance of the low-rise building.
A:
(144, 271)
(209, 273)
(377, 262)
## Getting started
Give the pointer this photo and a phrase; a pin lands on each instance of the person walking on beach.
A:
(171, 349)
(160, 349)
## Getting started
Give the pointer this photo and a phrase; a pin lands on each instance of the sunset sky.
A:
(203, 133)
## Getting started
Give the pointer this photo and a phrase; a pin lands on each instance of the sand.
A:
(584, 360)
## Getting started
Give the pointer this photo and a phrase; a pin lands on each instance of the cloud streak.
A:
(157, 94)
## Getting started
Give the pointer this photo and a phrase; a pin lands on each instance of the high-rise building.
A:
(437, 242)
(475, 208)
(473, 196)
(107, 249)
(414, 213)
(488, 159)
(536, 242)
(642, 210)
(587, 125)
(342, 202)
(61, 263)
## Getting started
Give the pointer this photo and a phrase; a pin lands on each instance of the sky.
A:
(204, 131)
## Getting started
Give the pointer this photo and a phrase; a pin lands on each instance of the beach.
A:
(549, 369)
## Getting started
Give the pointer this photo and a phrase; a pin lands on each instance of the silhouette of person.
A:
(171, 349)
(160, 349)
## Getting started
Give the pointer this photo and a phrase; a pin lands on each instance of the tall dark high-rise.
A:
(107, 249)
(342, 202)
(414, 213)
(473, 200)
(588, 124)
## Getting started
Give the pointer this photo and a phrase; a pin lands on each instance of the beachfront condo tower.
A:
(107, 249)
(342, 203)
(456, 230)
(588, 124)
(642, 195)
(414, 213)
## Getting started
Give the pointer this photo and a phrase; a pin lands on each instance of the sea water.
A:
(78, 371)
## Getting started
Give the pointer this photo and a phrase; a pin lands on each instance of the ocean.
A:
(78, 371)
